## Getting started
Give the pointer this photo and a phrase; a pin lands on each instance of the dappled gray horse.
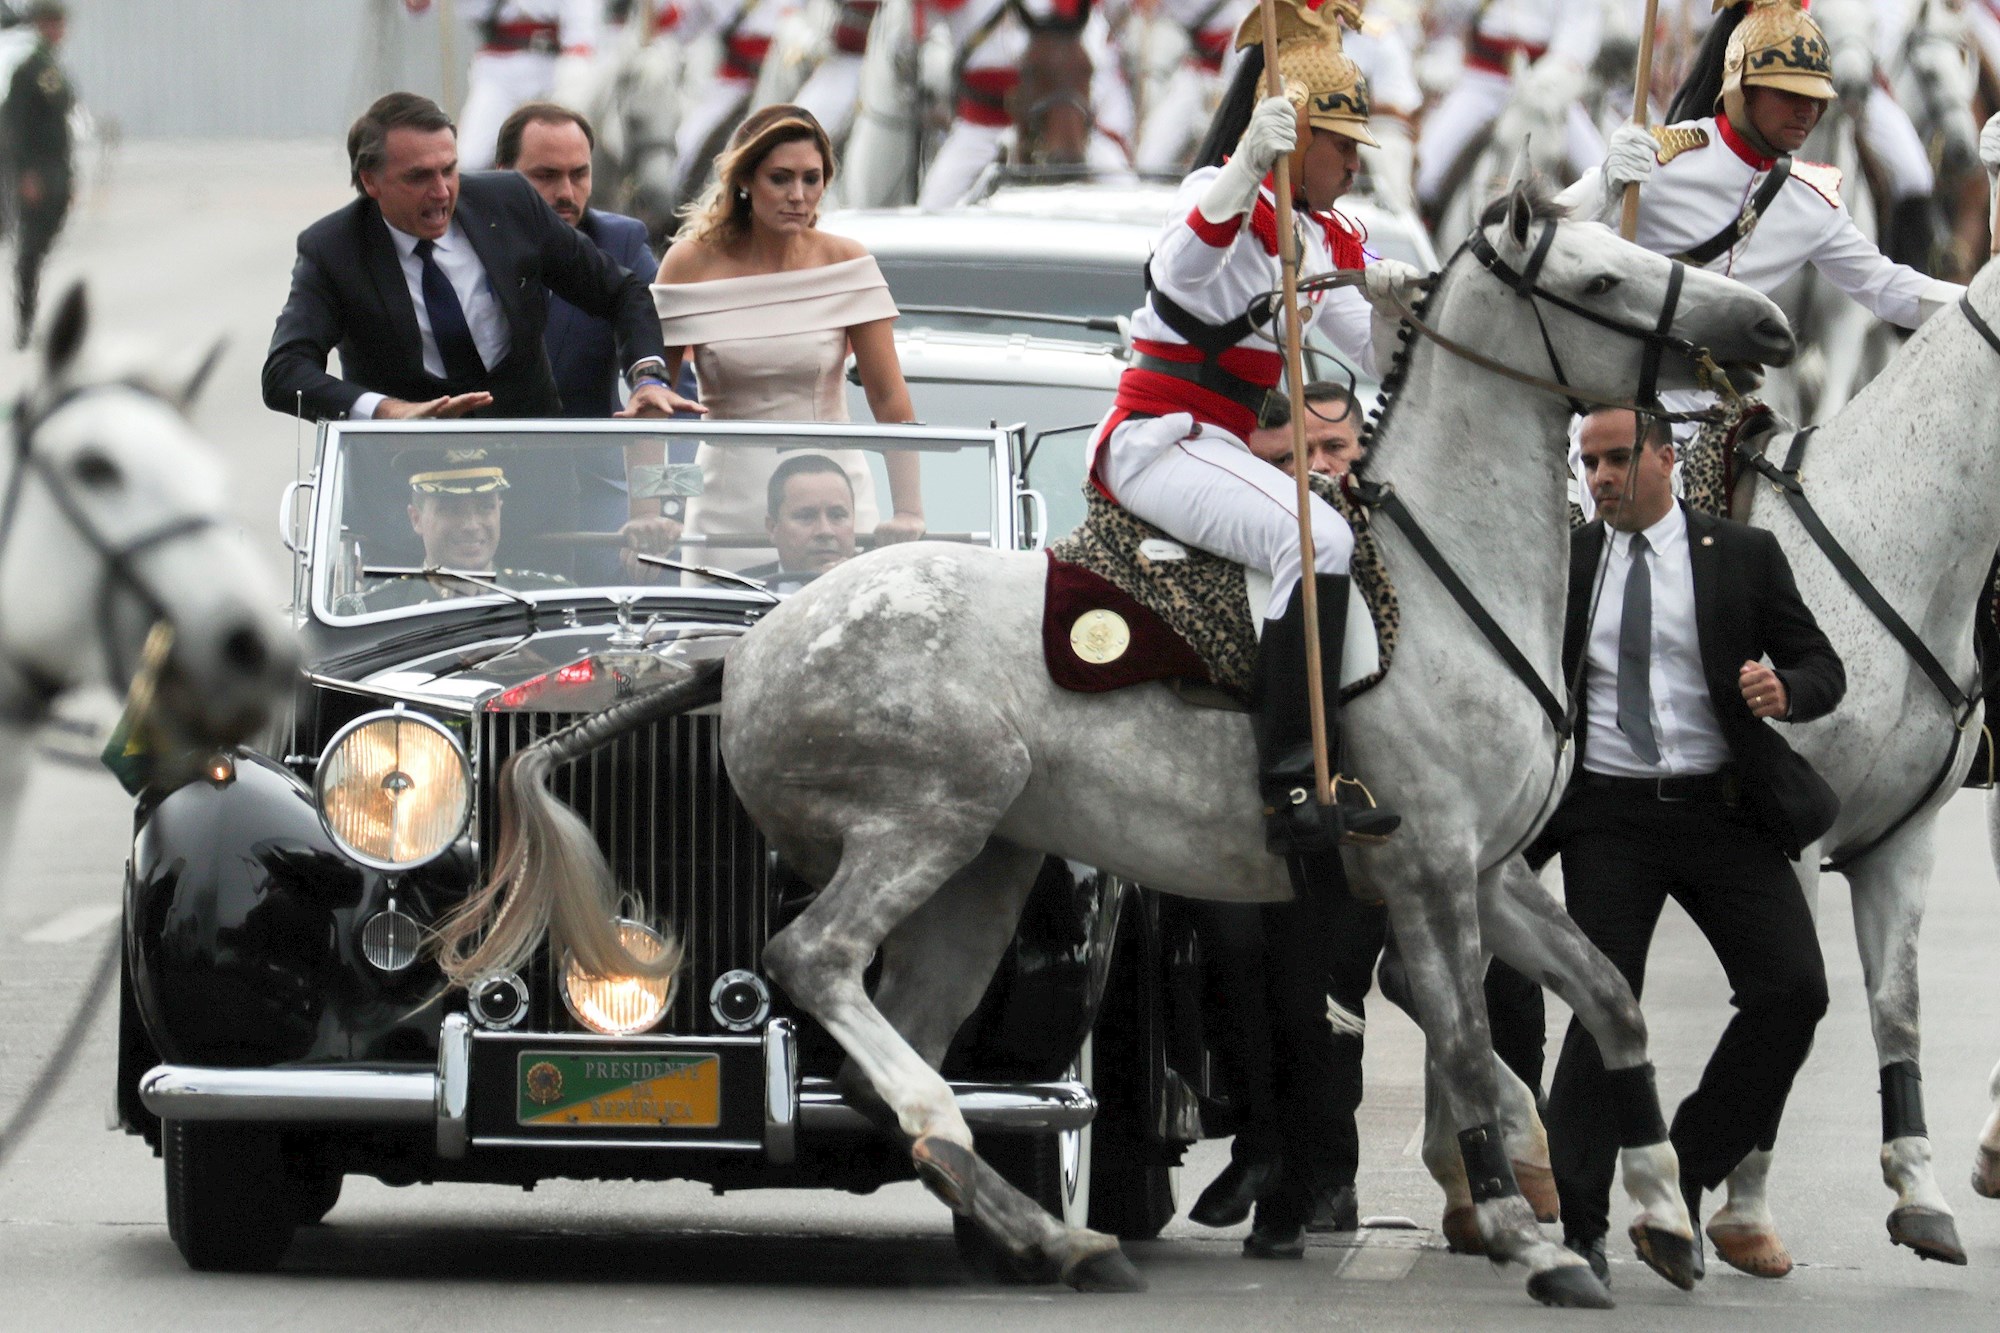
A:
(894, 732)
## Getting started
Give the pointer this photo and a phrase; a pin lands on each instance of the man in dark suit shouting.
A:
(435, 289)
(1683, 789)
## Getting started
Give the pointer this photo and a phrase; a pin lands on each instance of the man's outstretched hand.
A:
(657, 400)
(442, 409)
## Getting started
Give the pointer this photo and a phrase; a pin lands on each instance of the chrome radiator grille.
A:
(681, 847)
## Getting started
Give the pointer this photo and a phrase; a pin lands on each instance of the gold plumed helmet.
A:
(1317, 74)
(1777, 45)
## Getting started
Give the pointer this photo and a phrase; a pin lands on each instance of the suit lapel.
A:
(1586, 550)
(1705, 565)
(385, 270)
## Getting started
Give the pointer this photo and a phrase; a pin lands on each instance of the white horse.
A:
(636, 123)
(112, 521)
(887, 145)
(893, 730)
(1534, 122)
(1934, 72)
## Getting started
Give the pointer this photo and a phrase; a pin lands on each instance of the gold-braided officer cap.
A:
(1317, 74)
(452, 471)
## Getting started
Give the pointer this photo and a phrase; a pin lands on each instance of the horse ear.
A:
(1520, 205)
(198, 378)
(66, 330)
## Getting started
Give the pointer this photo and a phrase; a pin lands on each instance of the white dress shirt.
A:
(459, 263)
(1684, 722)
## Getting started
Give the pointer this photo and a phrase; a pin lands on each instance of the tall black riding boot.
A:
(1912, 234)
(1294, 821)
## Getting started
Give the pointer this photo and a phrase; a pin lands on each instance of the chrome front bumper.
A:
(358, 1096)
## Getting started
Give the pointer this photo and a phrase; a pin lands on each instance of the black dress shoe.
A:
(1592, 1251)
(1230, 1196)
(1335, 1210)
(1275, 1240)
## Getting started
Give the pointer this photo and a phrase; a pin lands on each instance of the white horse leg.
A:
(1529, 930)
(1986, 1167)
(935, 967)
(1889, 888)
(1437, 935)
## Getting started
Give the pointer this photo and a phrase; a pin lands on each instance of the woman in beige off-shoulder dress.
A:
(769, 306)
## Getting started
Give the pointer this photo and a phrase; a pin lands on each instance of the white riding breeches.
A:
(833, 93)
(969, 149)
(1475, 102)
(498, 82)
(1894, 141)
(1201, 485)
(1178, 118)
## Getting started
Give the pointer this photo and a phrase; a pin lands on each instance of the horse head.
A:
(1603, 317)
(1051, 106)
(114, 522)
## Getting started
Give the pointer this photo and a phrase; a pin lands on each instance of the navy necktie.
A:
(1635, 657)
(454, 336)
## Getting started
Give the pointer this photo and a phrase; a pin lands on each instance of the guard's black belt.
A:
(1721, 787)
(1745, 222)
(1210, 375)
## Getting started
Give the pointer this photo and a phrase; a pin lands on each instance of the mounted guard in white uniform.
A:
(1206, 359)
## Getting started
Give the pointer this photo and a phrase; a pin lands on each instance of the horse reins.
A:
(121, 574)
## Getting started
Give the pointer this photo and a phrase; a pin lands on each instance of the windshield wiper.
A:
(704, 571)
(484, 579)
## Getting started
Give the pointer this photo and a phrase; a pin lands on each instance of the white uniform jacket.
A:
(1707, 178)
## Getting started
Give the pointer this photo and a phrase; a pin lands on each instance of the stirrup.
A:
(1364, 823)
(1297, 824)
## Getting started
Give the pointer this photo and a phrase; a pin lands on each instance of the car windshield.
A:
(415, 517)
(978, 294)
(1061, 415)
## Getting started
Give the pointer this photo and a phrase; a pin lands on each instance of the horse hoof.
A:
(1671, 1256)
(946, 1170)
(1753, 1250)
(1933, 1235)
(1986, 1173)
(1538, 1187)
(1103, 1270)
(1461, 1231)
(1571, 1287)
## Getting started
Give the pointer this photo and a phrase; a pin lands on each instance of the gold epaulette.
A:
(1677, 139)
(1824, 179)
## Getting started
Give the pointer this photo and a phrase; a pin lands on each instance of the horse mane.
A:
(1542, 205)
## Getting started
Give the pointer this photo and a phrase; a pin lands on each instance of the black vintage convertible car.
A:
(461, 589)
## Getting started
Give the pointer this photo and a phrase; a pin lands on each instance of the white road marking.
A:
(74, 924)
(1379, 1259)
(1415, 1144)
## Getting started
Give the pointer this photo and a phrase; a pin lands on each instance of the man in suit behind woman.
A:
(1682, 790)
(435, 288)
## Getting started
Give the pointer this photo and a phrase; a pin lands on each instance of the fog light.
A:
(220, 768)
(739, 1000)
(620, 1006)
(391, 939)
(499, 1001)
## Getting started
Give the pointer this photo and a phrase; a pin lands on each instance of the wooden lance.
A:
(1288, 261)
(1642, 91)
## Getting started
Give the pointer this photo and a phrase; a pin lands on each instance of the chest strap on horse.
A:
(1384, 498)
(1745, 222)
(1791, 485)
(1211, 340)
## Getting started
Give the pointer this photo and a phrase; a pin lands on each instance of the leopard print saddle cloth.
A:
(1194, 616)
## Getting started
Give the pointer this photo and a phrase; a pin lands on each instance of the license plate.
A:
(633, 1091)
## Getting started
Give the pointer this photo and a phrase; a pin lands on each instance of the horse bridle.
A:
(26, 691)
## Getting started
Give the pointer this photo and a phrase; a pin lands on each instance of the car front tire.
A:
(229, 1196)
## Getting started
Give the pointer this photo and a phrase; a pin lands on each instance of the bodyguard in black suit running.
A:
(1684, 789)
(435, 288)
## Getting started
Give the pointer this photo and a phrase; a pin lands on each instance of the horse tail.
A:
(548, 875)
(1698, 92)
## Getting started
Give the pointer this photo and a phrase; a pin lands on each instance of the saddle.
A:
(1127, 604)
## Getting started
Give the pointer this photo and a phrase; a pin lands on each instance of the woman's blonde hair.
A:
(722, 213)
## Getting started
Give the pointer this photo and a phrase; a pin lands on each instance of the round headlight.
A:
(394, 790)
(620, 1006)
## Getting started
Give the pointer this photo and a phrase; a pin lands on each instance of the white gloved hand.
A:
(1853, 72)
(1387, 281)
(1273, 132)
(1551, 85)
(1989, 144)
(1630, 158)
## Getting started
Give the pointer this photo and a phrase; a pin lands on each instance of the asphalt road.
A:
(191, 241)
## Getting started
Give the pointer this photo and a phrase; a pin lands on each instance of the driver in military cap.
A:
(456, 497)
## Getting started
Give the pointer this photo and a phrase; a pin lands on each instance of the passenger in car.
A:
(809, 512)
(456, 497)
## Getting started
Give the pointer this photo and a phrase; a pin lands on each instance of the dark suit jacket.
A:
(582, 348)
(348, 292)
(1746, 607)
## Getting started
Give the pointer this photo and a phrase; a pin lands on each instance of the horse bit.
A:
(36, 689)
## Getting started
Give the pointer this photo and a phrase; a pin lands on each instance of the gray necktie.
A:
(1635, 657)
